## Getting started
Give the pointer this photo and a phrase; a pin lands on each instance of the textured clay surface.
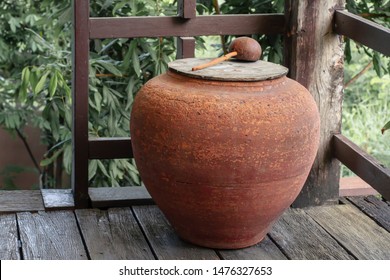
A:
(223, 160)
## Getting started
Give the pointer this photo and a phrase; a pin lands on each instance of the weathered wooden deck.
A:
(357, 228)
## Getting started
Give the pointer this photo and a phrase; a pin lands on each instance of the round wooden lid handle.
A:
(243, 48)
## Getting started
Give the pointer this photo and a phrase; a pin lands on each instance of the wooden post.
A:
(314, 55)
(80, 103)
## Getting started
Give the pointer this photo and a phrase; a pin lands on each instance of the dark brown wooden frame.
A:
(365, 166)
(184, 26)
(363, 31)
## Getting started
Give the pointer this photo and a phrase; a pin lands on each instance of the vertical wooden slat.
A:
(80, 102)
(185, 47)
(314, 55)
(186, 8)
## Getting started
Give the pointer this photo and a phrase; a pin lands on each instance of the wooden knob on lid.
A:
(247, 49)
(242, 48)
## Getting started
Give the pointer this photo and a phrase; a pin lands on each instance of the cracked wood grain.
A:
(113, 234)
(355, 231)
(50, 236)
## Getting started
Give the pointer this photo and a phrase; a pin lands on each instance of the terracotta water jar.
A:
(224, 151)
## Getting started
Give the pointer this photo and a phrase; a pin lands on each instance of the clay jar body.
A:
(221, 159)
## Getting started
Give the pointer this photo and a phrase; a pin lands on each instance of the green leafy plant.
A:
(36, 79)
(376, 11)
(23, 24)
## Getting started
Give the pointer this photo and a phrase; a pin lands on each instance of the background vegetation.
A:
(35, 77)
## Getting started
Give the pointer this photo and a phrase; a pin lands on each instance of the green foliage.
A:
(378, 12)
(365, 109)
(367, 101)
(35, 77)
(35, 68)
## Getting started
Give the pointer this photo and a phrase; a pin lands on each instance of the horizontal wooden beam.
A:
(110, 148)
(119, 197)
(154, 26)
(364, 31)
(362, 164)
(58, 199)
(20, 201)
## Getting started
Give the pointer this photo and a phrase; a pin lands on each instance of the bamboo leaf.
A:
(110, 68)
(59, 144)
(34, 79)
(98, 101)
(40, 85)
(108, 46)
(67, 159)
(127, 58)
(111, 124)
(23, 88)
(102, 168)
(68, 91)
(107, 3)
(65, 16)
(92, 168)
(348, 54)
(68, 118)
(119, 6)
(14, 23)
(54, 120)
(53, 85)
(25, 76)
(386, 127)
(39, 40)
(377, 64)
(136, 65)
(50, 160)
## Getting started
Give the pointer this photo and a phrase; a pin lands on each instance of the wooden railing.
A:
(300, 49)
(363, 31)
(365, 166)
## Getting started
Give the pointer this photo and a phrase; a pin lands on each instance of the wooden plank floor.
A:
(356, 229)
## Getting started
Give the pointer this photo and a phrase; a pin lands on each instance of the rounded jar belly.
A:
(221, 159)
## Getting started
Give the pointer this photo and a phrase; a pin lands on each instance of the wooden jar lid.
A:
(231, 70)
